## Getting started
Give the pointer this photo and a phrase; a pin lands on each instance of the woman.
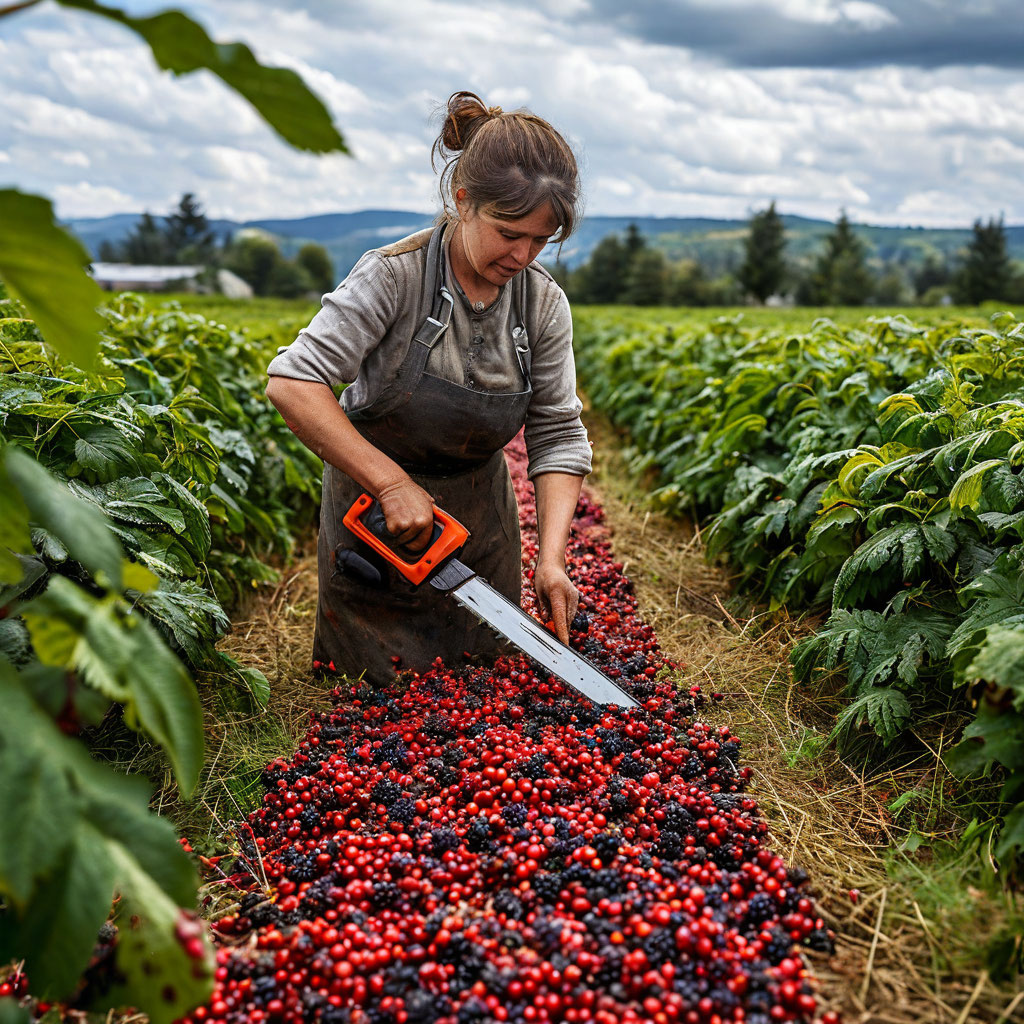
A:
(451, 339)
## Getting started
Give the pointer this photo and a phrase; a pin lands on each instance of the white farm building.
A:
(129, 277)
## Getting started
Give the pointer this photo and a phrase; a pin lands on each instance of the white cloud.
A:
(100, 200)
(658, 129)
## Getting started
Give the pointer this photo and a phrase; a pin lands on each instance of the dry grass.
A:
(891, 962)
(273, 632)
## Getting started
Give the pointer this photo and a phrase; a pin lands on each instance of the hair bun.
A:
(465, 114)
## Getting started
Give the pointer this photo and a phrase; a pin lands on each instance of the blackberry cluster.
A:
(515, 815)
(547, 886)
(536, 767)
(309, 819)
(760, 908)
(660, 946)
(478, 836)
(507, 903)
(607, 845)
(386, 792)
(678, 819)
(402, 811)
(443, 840)
(438, 727)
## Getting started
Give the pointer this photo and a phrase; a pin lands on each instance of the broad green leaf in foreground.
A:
(12, 1013)
(279, 95)
(45, 267)
(82, 529)
(124, 658)
(101, 839)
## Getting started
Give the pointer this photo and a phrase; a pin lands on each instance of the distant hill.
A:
(716, 243)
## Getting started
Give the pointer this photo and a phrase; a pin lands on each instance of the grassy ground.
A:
(254, 313)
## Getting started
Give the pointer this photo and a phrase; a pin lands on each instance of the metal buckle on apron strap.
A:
(434, 326)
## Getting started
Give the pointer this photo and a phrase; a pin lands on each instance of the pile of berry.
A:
(480, 844)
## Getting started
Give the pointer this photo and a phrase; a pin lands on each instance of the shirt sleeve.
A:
(556, 439)
(351, 322)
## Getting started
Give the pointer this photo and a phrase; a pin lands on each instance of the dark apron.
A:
(449, 438)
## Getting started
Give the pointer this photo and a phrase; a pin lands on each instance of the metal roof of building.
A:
(142, 272)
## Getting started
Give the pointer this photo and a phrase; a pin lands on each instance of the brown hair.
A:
(510, 164)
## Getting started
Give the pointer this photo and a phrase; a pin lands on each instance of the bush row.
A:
(874, 471)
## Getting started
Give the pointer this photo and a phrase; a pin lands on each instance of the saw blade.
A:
(532, 638)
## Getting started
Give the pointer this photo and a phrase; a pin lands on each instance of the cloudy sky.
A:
(899, 111)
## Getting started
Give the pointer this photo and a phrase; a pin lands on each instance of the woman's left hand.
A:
(557, 598)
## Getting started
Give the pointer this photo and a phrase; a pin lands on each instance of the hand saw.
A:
(438, 565)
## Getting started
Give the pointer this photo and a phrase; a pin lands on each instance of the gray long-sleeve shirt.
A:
(364, 328)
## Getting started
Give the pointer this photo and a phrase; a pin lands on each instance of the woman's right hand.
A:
(408, 512)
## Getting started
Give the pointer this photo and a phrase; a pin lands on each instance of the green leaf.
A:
(124, 658)
(872, 566)
(885, 708)
(30, 570)
(194, 513)
(992, 738)
(137, 577)
(85, 830)
(45, 268)
(14, 528)
(966, 492)
(79, 527)
(105, 451)
(189, 614)
(1011, 836)
(157, 971)
(166, 705)
(279, 95)
(58, 929)
(37, 802)
(12, 1013)
(1000, 660)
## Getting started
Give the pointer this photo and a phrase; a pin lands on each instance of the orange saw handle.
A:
(366, 520)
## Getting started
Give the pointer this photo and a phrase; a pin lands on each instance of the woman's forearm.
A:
(313, 414)
(557, 494)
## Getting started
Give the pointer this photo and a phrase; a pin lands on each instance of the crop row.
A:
(170, 437)
(874, 471)
(139, 500)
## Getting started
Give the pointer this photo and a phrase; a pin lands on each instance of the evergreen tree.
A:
(891, 288)
(986, 272)
(635, 241)
(764, 269)
(561, 273)
(316, 262)
(145, 243)
(935, 273)
(646, 280)
(108, 252)
(605, 272)
(189, 237)
(840, 276)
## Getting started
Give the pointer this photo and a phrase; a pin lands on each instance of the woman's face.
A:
(498, 249)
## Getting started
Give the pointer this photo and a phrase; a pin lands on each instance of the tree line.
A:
(630, 270)
(185, 238)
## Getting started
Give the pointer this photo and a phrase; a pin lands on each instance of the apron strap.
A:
(519, 336)
(425, 338)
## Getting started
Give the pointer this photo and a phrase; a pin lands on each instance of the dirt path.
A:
(889, 965)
